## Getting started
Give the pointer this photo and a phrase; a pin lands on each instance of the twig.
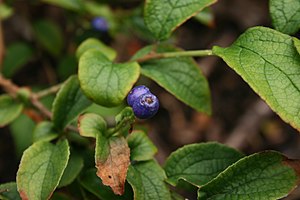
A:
(48, 91)
(9, 86)
(195, 53)
(248, 125)
(12, 89)
(38, 105)
(2, 46)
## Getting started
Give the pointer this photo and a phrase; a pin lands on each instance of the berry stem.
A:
(193, 53)
(120, 126)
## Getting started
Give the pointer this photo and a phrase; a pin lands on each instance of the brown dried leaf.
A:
(113, 170)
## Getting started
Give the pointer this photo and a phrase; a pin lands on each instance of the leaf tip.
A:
(23, 195)
(294, 164)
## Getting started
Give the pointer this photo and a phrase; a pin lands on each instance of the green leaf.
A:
(72, 170)
(164, 16)
(93, 43)
(93, 184)
(44, 131)
(106, 83)
(17, 55)
(147, 180)
(91, 125)
(135, 180)
(5, 11)
(297, 44)
(41, 168)
(49, 36)
(141, 147)
(69, 102)
(8, 191)
(22, 136)
(285, 15)
(180, 76)
(75, 5)
(9, 109)
(268, 61)
(199, 163)
(266, 175)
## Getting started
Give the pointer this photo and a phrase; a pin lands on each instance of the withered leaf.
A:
(112, 161)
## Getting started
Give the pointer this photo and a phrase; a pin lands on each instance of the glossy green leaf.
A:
(9, 109)
(41, 168)
(268, 61)
(69, 102)
(93, 184)
(75, 165)
(106, 83)
(44, 131)
(147, 180)
(267, 175)
(141, 147)
(164, 16)
(49, 36)
(135, 180)
(199, 163)
(75, 5)
(93, 43)
(5, 11)
(8, 191)
(180, 76)
(16, 56)
(22, 136)
(297, 44)
(91, 125)
(285, 15)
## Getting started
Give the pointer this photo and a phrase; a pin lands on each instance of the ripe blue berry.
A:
(145, 106)
(135, 93)
(100, 24)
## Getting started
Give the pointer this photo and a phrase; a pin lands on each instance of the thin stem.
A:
(195, 53)
(51, 90)
(119, 126)
(38, 105)
(2, 46)
(12, 89)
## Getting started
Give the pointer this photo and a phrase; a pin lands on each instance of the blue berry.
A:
(135, 93)
(145, 106)
(100, 24)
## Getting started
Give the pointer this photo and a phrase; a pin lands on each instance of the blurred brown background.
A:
(239, 119)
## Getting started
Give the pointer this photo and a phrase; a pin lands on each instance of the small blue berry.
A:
(135, 93)
(145, 106)
(100, 24)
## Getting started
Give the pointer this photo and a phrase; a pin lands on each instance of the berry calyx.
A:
(135, 93)
(145, 106)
